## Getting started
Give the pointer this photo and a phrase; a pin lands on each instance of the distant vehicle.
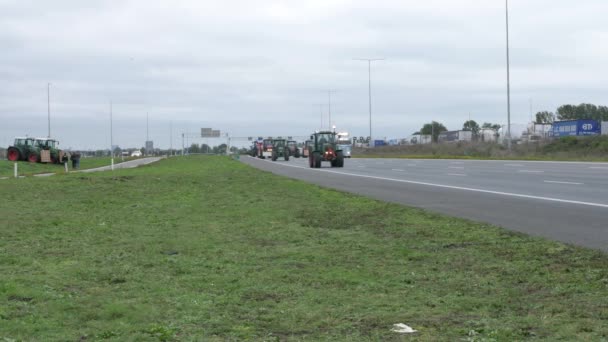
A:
(279, 149)
(136, 153)
(306, 149)
(323, 147)
(345, 144)
(292, 145)
(265, 149)
(455, 136)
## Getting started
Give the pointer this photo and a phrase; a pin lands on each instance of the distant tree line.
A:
(573, 112)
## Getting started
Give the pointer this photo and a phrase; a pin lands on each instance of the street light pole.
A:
(329, 106)
(111, 139)
(321, 105)
(508, 79)
(48, 104)
(369, 72)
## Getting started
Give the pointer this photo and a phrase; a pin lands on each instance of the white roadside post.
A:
(66, 167)
(16, 171)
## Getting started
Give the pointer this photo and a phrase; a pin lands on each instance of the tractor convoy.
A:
(36, 150)
(324, 146)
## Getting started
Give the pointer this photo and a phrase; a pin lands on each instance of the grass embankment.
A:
(28, 169)
(564, 149)
(206, 248)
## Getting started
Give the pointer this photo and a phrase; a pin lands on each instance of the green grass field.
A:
(207, 248)
(28, 169)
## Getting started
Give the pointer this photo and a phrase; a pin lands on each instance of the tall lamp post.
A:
(111, 139)
(329, 106)
(508, 79)
(48, 105)
(369, 70)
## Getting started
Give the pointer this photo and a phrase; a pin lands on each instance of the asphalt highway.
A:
(564, 201)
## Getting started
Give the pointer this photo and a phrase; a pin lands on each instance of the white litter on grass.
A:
(403, 329)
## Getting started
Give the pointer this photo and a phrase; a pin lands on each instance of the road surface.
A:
(125, 165)
(564, 201)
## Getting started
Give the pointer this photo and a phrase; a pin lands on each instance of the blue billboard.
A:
(575, 128)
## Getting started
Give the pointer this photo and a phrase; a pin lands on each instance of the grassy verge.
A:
(590, 149)
(28, 169)
(206, 248)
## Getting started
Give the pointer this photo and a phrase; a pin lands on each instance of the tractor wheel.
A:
(317, 157)
(340, 159)
(13, 154)
(297, 154)
(286, 156)
(311, 162)
(32, 157)
(274, 156)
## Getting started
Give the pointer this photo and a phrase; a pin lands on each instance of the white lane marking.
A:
(569, 183)
(457, 174)
(456, 167)
(398, 170)
(507, 194)
(515, 165)
(531, 171)
(599, 168)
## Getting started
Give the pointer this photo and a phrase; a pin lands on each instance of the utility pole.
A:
(369, 71)
(321, 105)
(147, 132)
(329, 106)
(170, 138)
(48, 105)
(508, 79)
(182, 144)
(111, 139)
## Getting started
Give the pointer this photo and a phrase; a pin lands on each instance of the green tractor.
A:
(292, 145)
(49, 152)
(280, 149)
(23, 149)
(323, 147)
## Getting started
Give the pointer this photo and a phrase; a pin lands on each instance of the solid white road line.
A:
(531, 171)
(599, 167)
(514, 165)
(457, 174)
(568, 183)
(500, 193)
(456, 167)
(398, 170)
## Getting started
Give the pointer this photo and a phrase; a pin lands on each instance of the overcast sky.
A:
(264, 67)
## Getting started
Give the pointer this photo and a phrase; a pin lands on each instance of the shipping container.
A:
(379, 143)
(454, 136)
(575, 128)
